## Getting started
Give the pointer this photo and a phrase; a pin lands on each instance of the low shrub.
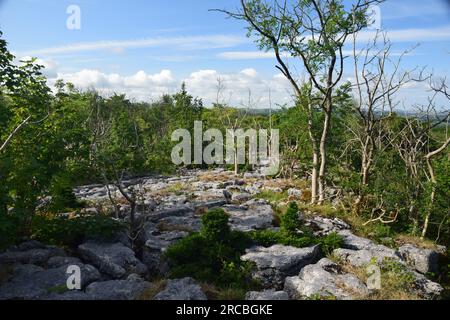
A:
(292, 233)
(71, 232)
(330, 242)
(213, 254)
(290, 222)
(63, 198)
(9, 230)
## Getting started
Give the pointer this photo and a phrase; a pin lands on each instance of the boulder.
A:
(425, 288)
(273, 189)
(267, 295)
(423, 260)
(113, 259)
(241, 196)
(29, 245)
(31, 282)
(36, 255)
(181, 289)
(177, 211)
(247, 218)
(362, 258)
(295, 193)
(354, 242)
(277, 262)
(56, 262)
(254, 189)
(323, 280)
(211, 204)
(161, 241)
(324, 226)
(208, 195)
(130, 289)
(155, 246)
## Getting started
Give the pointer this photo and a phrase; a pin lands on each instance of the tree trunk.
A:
(323, 153)
(433, 180)
(432, 197)
(314, 177)
(236, 165)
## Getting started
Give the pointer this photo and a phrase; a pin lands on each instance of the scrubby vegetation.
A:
(293, 233)
(346, 146)
(213, 254)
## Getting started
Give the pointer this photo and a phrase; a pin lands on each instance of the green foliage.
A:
(9, 230)
(71, 232)
(63, 198)
(404, 277)
(269, 238)
(215, 226)
(292, 233)
(213, 255)
(330, 242)
(290, 221)
(272, 197)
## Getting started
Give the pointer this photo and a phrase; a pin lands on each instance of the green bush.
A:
(267, 238)
(9, 230)
(330, 242)
(213, 254)
(215, 225)
(290, 222)
(71, 232)
(63, 198)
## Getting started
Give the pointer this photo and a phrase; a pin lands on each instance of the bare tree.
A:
(439, 88)
(231, 120)
(375, 101)
(413, 143)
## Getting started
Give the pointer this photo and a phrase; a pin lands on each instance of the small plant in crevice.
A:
(330, 242)
(293, 233)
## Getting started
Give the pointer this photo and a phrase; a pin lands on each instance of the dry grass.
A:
(156, 287)
(286, 184)
(200, 211)
(228, 294)
(416, 241)
(177, 188)
(215, 177)
(394, 286)
(212, 293)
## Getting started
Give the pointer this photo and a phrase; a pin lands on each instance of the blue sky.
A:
(146, 48)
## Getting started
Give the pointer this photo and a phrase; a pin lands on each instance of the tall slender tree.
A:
(313, 32)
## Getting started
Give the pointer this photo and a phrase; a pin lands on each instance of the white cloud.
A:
(202, 83)
(140, 86)
(236, 87)
(250, 72)
(118, 46)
